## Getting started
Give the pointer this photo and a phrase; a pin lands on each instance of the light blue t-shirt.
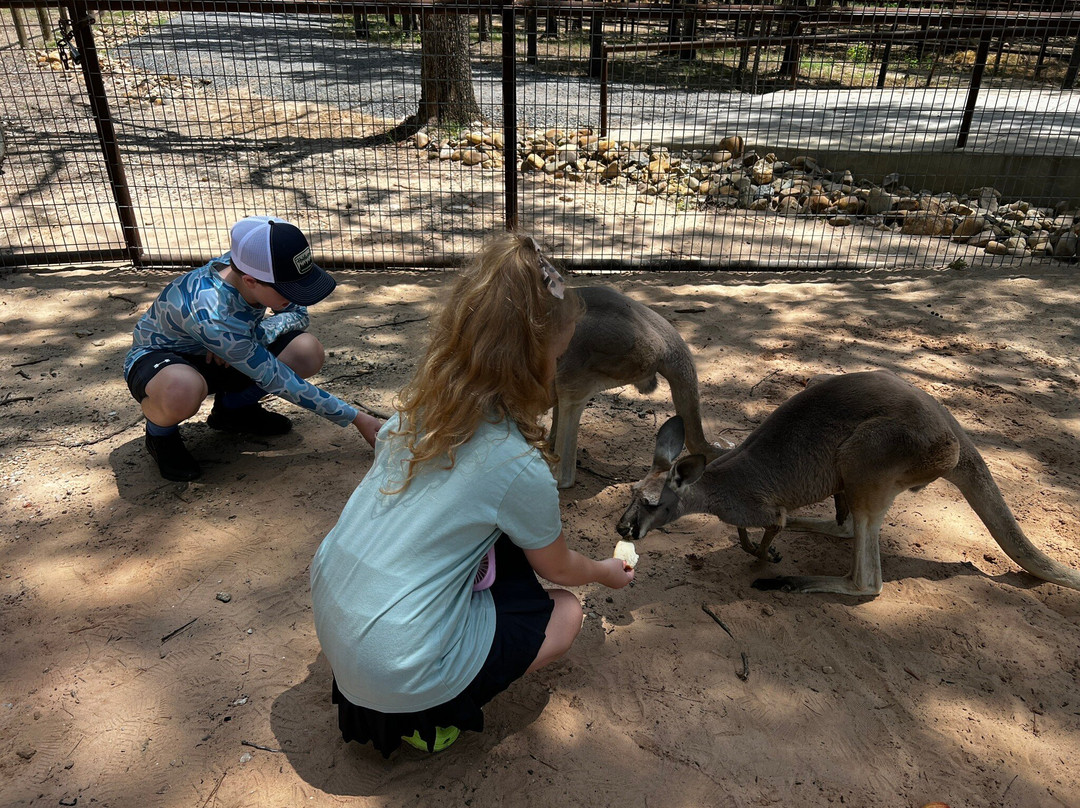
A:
(200, 312)
(391, 584)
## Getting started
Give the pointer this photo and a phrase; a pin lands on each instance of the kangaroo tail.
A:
(681, 374)
(977, 485)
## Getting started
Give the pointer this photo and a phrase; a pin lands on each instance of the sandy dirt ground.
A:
(127, 681)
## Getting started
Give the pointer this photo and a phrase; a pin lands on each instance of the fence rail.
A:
(624, 134)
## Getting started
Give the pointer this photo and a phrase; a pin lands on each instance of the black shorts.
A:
(522, 612)
(219, 378)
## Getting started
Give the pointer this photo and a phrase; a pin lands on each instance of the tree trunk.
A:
(446, 90)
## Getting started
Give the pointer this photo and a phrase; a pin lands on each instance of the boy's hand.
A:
(368, 426)
(213, 359)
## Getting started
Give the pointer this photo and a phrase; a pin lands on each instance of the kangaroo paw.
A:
(817, 583)
(782, 584)
(754, 548)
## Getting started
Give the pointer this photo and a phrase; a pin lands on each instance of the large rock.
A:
(1066, 245)
(567, 153)
(733, 144)
(969, 226)
(927, 224)
(762, 172)
(879, 201)
(848, 204)
(659, 166)
(472, 157)
(789, 206)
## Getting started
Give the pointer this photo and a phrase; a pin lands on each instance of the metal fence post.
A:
(20, 26)
(1074, 65)
(596, 42)
(110, 148)
(509, 110)
(977, 71)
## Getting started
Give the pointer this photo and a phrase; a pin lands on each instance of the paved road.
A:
(299, 58)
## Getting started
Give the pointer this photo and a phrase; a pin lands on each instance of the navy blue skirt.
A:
(522, 611)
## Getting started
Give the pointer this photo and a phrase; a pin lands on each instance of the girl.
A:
(425, 595)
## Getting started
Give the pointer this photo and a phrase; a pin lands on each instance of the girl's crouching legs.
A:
(562, 628)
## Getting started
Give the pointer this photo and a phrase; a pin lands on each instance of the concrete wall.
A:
(1039, 180)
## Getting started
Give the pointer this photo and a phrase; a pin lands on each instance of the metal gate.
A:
(642, 135)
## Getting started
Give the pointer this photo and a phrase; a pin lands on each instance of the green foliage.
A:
(858, 52)
(912, 61)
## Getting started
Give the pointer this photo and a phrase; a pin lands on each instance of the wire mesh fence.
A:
(653, 134)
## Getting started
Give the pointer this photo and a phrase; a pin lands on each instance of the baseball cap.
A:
(276, 252)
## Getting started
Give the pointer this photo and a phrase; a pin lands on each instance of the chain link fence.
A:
(624, 135)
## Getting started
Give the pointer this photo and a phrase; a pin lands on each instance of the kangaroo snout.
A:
(629, 526)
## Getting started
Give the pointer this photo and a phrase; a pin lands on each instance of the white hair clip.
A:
(553, 281)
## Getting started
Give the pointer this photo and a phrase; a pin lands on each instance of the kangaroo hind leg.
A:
(840, 527)
(864, 579)
(565, 420)
(881, 458)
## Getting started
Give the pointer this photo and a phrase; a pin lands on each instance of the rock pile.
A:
(130, 84)
(733, 178)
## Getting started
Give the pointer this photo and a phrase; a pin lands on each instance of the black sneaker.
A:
(249, 420)
(173, 459)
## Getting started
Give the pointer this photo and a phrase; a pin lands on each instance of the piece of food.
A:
(624, 550)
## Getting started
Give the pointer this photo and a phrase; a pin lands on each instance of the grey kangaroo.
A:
(620, 341)
(861, 438)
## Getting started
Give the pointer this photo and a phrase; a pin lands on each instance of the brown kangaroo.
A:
(861, 438)
(620, 341)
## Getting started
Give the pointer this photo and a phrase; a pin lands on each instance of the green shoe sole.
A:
(444, 736)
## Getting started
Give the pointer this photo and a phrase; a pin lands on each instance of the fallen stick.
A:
(127, 300)
(173, 633)
(763, 378)
(216, 787)
(705, 608)
(370, 411)
(744, 674)
(393, 323)
(260, 746)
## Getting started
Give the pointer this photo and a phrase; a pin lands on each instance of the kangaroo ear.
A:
(686, 472)
(669, 443)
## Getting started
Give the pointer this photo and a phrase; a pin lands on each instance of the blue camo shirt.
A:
(200, 312)
(391, 584)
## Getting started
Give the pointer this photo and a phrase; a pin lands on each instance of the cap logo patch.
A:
(302, 261)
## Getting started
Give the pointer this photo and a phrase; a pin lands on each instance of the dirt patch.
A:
(127, 680)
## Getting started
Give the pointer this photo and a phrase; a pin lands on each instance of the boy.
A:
(208, 332)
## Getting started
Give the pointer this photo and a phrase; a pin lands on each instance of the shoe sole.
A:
(186, 477)
(232, 430)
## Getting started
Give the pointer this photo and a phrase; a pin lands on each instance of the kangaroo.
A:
(620, 341)
(861, 438)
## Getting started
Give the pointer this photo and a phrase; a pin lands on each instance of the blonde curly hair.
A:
(488, 357)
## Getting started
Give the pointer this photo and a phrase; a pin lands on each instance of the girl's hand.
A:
(615, 574)
(368, 426)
